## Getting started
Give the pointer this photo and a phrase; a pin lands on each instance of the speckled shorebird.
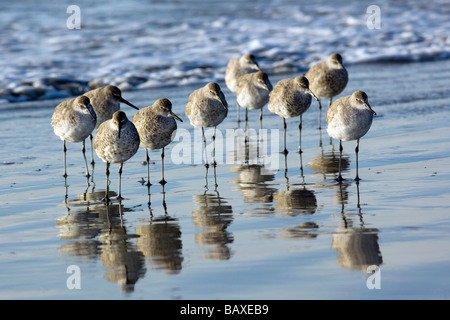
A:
(291, 98)
(349, 118)
(327, 79)
(157, 127)
(207, 107)
(106, 101)
(73, 120)
(236, 68)
(116, 141)
(252, 92)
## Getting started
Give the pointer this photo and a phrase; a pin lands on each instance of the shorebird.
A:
(252, 92)
(106, 101)
(327, 79)
(207, 107)
(349, 118)
(73, 120)
(116, 141)
(157, 127)
(291, 98)
(236, 68)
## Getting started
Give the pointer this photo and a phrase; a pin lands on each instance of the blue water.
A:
(148, 44)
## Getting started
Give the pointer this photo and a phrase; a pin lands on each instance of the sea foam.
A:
(147, 44)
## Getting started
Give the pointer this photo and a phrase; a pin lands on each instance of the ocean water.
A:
(142, 44)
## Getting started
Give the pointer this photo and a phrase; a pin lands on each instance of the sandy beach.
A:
(290, 232)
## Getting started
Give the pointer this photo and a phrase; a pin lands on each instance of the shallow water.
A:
(287, 230)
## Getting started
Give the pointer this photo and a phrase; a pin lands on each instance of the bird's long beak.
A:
(313, 95)
(368, 107)
(175, 116)
(268, 86)
(224, 103)
(92, 112)
(128, 103)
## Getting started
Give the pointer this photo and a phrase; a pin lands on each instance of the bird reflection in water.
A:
(356, 244)
(327, 164)
(254, 181)
(124, 263)
(159, 239)
(294, 201)
(254, 184)
(212, 217)
(97, 231)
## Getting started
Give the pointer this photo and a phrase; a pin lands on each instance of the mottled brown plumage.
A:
(106, 101)
(291, 98)
(349, 118)
(73, 120)
(237, 67)
(157, 127)
(116, 141)
(253, 90)
(207, 107)
(329, 78)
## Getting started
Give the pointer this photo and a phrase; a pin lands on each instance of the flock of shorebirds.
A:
(117, 139)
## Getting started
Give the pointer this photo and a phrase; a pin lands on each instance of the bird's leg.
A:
(92, 150)
(106, 199)
(320, 114)
(357, 151)
(215, 179)
(204, 147)
(300, 135)
(246, 119)
(237, 112)
(214, 163)
(330, 102)
(147, 158)
(339, 179)
(163, 182)
(285, 152)
(83, 150)
(119, 196)
(64, 155)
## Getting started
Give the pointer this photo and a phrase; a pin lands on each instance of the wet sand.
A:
(291, 233)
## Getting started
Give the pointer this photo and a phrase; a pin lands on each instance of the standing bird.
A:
(236, 68)
(116, 141)
(252, 92)
(349, 118)
(73, 120)
(207, 107)
(157, 127)
(106, 101)
(327, 79)
(291, 98)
